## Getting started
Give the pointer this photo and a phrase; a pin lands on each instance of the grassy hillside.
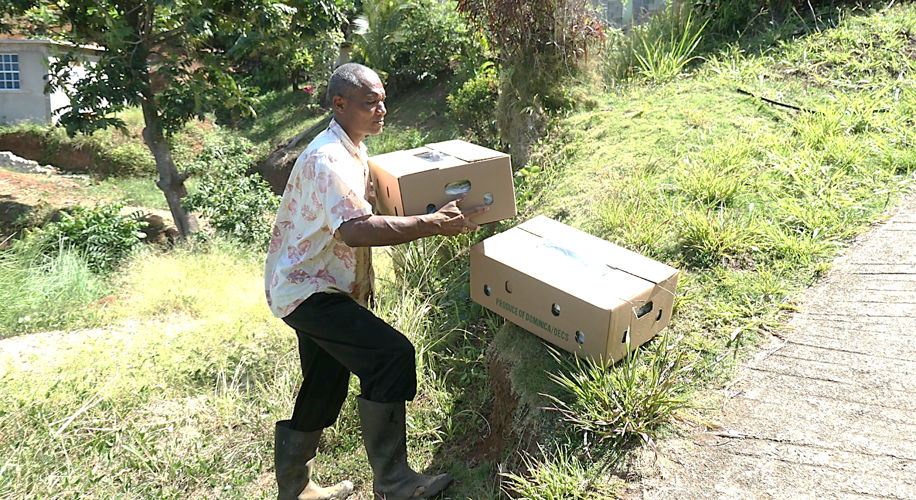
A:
(176, 392)
(750, 200)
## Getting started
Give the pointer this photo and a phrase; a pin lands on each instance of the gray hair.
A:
(347, 78)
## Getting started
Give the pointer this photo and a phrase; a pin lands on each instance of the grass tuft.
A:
(559, 475)
(709, 237)
(623, 404)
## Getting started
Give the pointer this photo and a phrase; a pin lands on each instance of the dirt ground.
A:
(35, 195)
(828, 408)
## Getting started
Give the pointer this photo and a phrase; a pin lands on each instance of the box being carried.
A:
(576, 291)
(421, 180)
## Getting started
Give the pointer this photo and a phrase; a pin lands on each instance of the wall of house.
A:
(29, 103)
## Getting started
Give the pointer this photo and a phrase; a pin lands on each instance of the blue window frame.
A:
(9, 72)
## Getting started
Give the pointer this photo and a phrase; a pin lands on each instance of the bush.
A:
(101, 234)
(237, 202)
(473, 105)
(104, 153)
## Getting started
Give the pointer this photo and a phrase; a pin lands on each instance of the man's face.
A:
(362, 112)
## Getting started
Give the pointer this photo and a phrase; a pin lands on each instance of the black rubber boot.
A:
(385, 437)
(294, 458)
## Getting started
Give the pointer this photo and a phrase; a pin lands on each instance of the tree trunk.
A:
(170, 181)
(277, 166)
(524, 131)
(519, 118)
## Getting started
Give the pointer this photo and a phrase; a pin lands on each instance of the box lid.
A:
(465, 150)
(593, 248)
(577, 263)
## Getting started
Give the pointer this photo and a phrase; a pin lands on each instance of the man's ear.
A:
(338, 103)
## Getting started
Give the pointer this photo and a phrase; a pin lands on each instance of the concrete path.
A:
(828, 409)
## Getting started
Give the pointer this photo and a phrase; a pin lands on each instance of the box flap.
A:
(412, 161)
(465, 150)
(590, 248)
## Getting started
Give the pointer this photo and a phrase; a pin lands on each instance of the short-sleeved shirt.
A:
(327, 187)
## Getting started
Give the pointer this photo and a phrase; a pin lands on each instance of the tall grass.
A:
(657, 50)
(173, 400)
(39, 292)
(663, 58)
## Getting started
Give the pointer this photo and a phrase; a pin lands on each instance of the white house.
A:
(24, 76)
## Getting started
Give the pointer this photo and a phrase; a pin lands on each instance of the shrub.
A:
(473, 105)
(412, 42)
(101, 234)
(237, 203)
(433, 35)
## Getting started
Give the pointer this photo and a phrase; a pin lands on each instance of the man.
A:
(318, 278)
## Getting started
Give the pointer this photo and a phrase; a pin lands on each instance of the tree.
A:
(538, 43)
(286, 51)
(172, 59)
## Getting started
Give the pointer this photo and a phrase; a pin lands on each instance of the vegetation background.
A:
(143, 371)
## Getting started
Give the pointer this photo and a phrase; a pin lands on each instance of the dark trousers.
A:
(337, 337)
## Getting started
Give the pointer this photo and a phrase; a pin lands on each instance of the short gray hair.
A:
(347, 78)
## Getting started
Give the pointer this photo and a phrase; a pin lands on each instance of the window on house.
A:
(9, 72)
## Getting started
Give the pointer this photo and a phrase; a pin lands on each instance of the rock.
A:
(12, 162)
(157, 231)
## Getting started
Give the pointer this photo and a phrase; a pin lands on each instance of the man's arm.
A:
(384, 230)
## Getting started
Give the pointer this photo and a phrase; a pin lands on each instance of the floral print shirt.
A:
(327, 187)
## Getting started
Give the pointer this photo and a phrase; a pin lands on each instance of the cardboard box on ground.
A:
(578, 292)
(421, 180)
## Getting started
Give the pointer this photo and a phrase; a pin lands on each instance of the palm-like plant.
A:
(378, 30)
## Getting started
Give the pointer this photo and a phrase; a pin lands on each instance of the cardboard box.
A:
(576, 291)
(419, 181)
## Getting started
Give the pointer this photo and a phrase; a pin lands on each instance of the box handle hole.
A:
(430, 208)
(486, 290)
(488, 199)
(396, 211)
(388, 191)
(555, 309)
(458, 187)
(431, 156)
(644, 310)
(659, 316)
(580, 337)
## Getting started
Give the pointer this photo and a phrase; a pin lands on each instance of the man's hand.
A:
(452, 220)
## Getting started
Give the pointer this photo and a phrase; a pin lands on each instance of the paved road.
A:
(828, 409)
